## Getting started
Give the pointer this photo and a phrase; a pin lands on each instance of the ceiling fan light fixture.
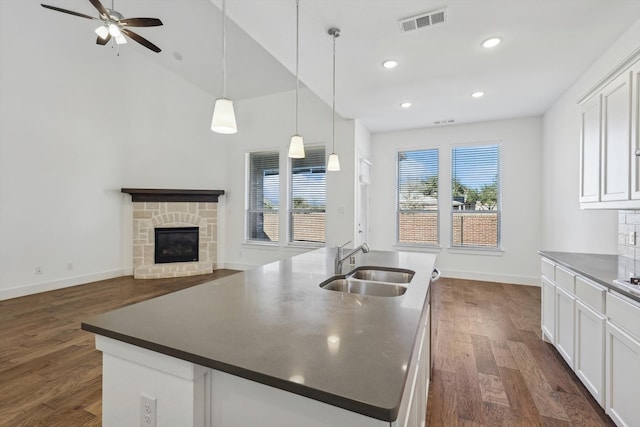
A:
(102, 32)
(114, 30)
(296, 147)
(224, 118)
(121, 39)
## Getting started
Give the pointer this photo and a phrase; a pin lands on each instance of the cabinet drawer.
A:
(548, 269)
(624, 313)
(590, 293)
(565, 279)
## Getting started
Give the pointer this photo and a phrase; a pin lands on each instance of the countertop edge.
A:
(609, 285)
(373, 411)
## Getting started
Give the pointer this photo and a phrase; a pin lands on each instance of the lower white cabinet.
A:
(623, 360)
(548, 310)
(589, 350)
(623, 377)
(565, 317)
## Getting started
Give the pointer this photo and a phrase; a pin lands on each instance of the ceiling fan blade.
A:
(100, 7)
(141, 22)
(70, 12)
(144, 42)
(102, 41)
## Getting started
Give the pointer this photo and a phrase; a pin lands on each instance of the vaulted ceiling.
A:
(547, 45)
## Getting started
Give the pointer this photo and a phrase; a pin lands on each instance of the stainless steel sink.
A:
(376, 274)
(363, 287)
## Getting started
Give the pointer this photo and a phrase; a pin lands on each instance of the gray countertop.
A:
(603, 269)
(275, 325)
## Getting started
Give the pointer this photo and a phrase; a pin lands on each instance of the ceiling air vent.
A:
(428, 19)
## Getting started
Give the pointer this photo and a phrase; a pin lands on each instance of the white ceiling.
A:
(547, 45)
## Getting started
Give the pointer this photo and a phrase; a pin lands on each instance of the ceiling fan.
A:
(114, 25)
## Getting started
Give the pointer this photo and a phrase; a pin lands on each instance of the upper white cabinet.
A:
(616, 139)
(590, 151)
(609, 119)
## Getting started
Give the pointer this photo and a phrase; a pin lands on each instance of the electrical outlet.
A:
(148, 406)
(38, 270)
(632, 238)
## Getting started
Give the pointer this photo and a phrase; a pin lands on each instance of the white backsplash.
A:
(628, 221)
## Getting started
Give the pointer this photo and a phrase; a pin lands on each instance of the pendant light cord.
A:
(333, 107)
(224, 50)
(297, 58)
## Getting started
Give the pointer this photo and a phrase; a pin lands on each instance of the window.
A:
(264, 196)
(475, 190)
(308, 197)
(417, 209)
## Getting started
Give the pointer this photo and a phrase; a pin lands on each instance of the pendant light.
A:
(224, 118)
(296, 147)
(334, 162)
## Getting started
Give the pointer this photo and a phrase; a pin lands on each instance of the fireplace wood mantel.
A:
(172, 195)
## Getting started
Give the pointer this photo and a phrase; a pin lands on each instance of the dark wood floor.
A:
(490, 368)
(50, 371)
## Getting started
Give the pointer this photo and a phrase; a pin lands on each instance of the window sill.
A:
(260, 245)
(309, 246)
(476, 251)
(417, 248)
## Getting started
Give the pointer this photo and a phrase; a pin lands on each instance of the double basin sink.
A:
(372, 281)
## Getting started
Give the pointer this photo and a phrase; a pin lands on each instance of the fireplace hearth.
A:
(176, 244)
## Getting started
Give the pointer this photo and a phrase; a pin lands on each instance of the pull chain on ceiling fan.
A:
(114, 25)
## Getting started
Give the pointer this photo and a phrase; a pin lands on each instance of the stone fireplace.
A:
(181, 209)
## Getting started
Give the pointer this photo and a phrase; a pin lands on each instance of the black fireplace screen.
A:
(178, 244)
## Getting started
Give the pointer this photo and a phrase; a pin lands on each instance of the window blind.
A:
(475, 190)
(264, 196)
(308, 197)
(417, 197)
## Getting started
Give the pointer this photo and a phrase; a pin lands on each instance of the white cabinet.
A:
(590, 150)
(616, 139)
(413, 408)
(589, 350)
(548, 310)
(565, 312)
(609, 120)
(623, 360)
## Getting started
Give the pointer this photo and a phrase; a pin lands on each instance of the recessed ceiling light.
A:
(390, 63)
(491, 42)
(405, 105)
(478, 94)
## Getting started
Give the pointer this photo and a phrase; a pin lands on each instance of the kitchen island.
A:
(269, 346)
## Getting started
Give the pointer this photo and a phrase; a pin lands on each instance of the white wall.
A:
(565, 226)
(77, 123)
(521, 142)
(267, 123)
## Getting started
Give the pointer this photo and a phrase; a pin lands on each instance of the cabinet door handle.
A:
(435, 274)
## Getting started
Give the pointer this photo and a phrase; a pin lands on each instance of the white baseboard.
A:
(236, 266)
(58, 284)
(487, 277)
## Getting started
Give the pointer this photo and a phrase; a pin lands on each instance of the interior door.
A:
(363, 201)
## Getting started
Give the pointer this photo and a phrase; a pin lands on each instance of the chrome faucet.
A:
(340, 257)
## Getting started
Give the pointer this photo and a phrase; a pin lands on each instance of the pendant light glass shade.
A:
(296, 147)
(224, 118)
(333, 164)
